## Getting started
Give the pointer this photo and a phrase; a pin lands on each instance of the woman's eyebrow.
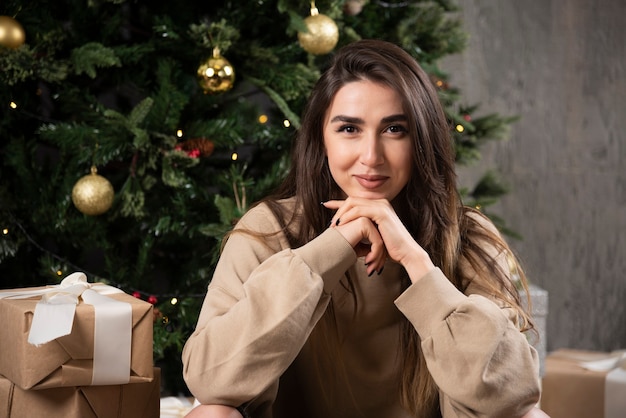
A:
(351, 119)
(348, 119)
(394, 118)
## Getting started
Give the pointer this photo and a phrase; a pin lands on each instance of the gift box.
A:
(139, 400)
(100, 348)
(584, 384)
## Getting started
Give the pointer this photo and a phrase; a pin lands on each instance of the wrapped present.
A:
(139, 400)
(74, 334)
(584, 384)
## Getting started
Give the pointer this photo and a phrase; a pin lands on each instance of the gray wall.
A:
(561, 66)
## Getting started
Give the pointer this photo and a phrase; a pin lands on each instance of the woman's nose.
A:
(371, 152)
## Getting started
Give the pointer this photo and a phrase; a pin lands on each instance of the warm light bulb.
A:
(263, 119)
(5, 231)
(59, 273)
(234, 156)
(174, 301)
(460, 128)
(13, 105)
(179, 133)
(286, 123)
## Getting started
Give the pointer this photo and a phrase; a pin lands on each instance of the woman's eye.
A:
(347, 128)
(397, 129)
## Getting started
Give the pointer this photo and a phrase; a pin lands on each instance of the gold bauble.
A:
(322, 36)
(216, 75)
(92, 194)
(12, 34)
(353, 7)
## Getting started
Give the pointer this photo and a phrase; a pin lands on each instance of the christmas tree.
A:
(133, 136)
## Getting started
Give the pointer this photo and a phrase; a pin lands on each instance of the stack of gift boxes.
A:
(76, 350)
(584, 384)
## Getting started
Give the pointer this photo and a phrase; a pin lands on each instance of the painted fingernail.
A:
(380, 271)
(337, 223)
(370, 275)
(367, 264)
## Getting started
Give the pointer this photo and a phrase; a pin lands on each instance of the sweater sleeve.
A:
(481, 362)
(261, 305)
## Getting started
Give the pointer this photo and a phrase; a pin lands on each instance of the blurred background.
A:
(560, 66)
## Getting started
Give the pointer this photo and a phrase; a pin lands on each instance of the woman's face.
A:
(367, 141)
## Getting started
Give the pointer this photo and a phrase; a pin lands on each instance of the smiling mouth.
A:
(371, 182)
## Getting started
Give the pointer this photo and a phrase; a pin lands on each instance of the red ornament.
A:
(152, 299)
(467, 117)
(136, 294)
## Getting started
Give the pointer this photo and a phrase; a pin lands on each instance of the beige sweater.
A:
(251, 345)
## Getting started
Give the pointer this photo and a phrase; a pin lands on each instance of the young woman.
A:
(388, 298)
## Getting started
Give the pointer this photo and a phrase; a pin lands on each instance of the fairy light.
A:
(263, 119)
(234, 156)
(286, 123)
(13, 105)
(5, 231)
(174, 301)
(460, 128)
(59, 273)
(179, 133)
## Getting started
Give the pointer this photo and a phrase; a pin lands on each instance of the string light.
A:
(13, 105)
(234, 156)
(263, 119)
(179, 133)
(153, 298)
(286, 123)
(460, 128)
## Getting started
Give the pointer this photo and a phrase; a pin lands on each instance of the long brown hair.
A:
(429, 205)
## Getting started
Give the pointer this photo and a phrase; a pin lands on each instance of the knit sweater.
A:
(265, 338)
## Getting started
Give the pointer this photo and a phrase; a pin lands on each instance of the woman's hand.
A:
(384, 225)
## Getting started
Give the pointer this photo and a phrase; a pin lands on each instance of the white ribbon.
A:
(54, 317)
(614, 384)
(173, 407)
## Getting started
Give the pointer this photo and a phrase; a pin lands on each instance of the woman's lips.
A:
(371, 182)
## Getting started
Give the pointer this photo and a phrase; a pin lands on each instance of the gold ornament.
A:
(322, 35)
(12, 34)
(216, 75)
(92, 194)
(353, 7)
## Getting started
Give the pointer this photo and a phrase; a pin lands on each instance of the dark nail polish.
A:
(337, 223)
(380, 271)
(370, 275)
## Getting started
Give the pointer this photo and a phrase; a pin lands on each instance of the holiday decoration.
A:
(322, 34)
(353, 7)
(11, 33)
(196, 147)
(92, 322)
(92, 194)
(216, 75)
